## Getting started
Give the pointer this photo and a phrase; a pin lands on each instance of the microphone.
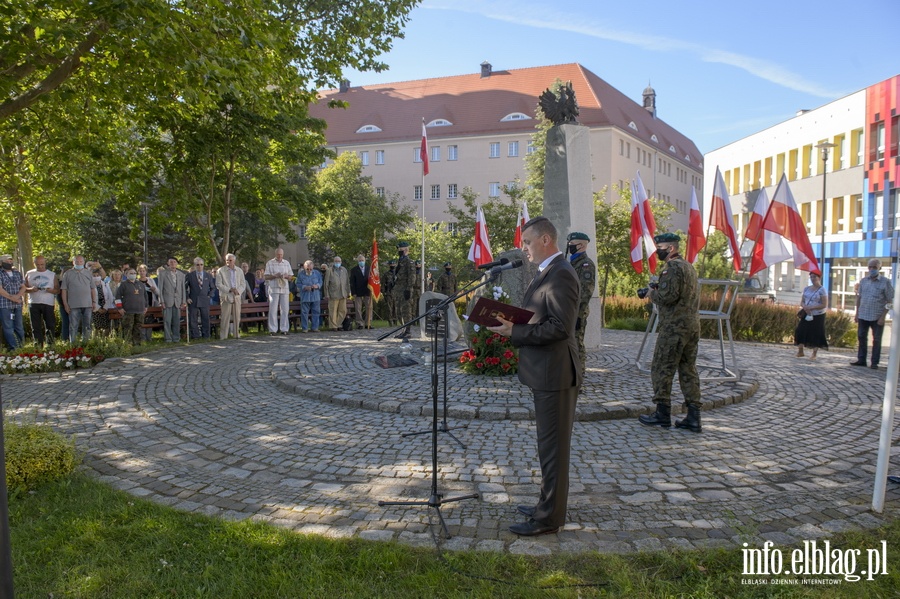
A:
(490, 265)
(508, 266)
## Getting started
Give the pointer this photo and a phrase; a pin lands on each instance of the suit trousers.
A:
(231, 312)
(360, 303)
(279, 302)
(337, 311)
(172, 323)
(203, 313)
(554, 413)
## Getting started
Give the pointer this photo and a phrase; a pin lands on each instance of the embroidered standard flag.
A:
(754, 227)
(480, 250)
(783, 235)
(695, 238)
(648, 223)
(374, 276)
(720, 218)
(423, 149)
(522, 219)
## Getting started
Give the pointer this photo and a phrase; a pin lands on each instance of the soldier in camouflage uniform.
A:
(404, 286)
(446, 283)
(677, 299)
(587, 279)
(389, 278)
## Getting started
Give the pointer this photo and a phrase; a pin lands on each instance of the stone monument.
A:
(568, 196)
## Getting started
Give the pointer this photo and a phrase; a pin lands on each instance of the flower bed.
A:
(49, 361)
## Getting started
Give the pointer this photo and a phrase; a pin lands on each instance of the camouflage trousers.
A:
(580, 326)
(676, 351)
(404, 309)
(391, 308)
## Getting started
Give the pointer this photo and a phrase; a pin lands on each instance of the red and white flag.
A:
(695, 238)
(423, 150)
(641, 203)
(374, 276)
(522, 219)
(783, 235)
(480, 250)
(640, 209)
(754, 227)
(720, 218)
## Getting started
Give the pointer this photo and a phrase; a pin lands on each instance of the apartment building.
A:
(849, 201)
(479, 129)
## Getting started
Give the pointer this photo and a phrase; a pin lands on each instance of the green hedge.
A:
(36, 454)
(750, 320)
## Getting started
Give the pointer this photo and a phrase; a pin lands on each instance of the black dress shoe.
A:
(532, 528)
(857, 363)
(874, 366)
(525, 510)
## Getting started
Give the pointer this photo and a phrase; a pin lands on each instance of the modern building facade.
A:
(479, 129)
(854, 193)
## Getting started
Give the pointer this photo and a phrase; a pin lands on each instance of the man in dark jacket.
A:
(362, 295)
(200, 288)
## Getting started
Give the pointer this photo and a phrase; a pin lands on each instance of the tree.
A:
(441, 245)
(351, 212)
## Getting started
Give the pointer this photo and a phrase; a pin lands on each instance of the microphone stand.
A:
(436, 314)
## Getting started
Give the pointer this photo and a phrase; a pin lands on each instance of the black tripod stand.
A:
(435, 315)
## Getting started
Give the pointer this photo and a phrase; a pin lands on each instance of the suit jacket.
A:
(200, 294)
(548, 350)
(223, 283)
(171, 295)
(359, 282)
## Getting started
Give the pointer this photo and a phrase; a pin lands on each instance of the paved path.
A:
(302, 434)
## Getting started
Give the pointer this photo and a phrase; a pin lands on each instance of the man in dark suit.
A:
(200, 288)
(548, 363)
(362, 295)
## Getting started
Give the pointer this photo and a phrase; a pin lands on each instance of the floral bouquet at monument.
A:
(490, 353)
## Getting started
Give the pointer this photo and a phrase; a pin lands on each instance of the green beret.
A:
(418, 263)
(403, 244)
(575, 236)
(667, 238)
(392, 262)
(447, 265)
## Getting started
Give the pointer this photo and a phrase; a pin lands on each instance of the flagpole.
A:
(424, 162)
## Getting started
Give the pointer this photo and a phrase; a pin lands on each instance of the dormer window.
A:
(654, 139)
(369, 129)
(631, 125)
(672, 149)
(687, 157)
(515, 116)
(439, 123)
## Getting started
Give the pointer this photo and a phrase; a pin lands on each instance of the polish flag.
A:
(720, 218)
(696, 239)
(522, 219)
(754, 227)
(374, 276)
(648, 223)
(423, 150)
(783, 235)
(480, 250)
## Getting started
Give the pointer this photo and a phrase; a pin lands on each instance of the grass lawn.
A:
(80, 538)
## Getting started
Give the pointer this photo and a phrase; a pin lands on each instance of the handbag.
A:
(801, 314)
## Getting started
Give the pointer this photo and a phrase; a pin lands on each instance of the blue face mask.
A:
(873, 273)
(361, 264)
(79, 266)
(337, 264)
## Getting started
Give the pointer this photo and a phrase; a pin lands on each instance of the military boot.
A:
(691, 421)
(661, 417)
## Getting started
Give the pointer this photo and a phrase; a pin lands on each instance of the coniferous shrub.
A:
(36, 454)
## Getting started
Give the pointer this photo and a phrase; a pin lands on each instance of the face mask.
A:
(79, 267)
(662, 253)
(337, 264)
(361, 264)
(96, 279)
(573, 249)
(7, 266)
(448, 270)
(132, 276)
(873, 273)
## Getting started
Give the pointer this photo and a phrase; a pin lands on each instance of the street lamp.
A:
(824, 146)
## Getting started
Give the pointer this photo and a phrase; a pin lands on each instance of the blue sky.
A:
(721, 71)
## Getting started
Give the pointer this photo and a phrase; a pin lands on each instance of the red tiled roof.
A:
(475, 105)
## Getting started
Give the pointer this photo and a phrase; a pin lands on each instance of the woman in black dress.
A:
(810, 330)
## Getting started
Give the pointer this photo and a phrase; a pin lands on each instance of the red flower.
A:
(508, 354)
(479, 365)
(488, 340)
(506, 367)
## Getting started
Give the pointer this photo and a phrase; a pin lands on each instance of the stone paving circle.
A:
(305, 432)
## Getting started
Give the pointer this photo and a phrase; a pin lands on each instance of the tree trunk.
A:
(603, 298)
(23, 236)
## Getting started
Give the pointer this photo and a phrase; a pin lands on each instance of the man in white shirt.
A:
(278, 276)
(42, 286)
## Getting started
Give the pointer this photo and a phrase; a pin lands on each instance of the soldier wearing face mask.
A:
(404, 286)
(874, 296)
(677, 300)
(587, 280)
(446, 283)
(387, 285)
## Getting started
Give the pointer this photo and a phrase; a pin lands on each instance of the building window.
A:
(417, 192)
(895, 136)
(364, 158)
(530, 149)
(512, 149)
(516, 116)
(435, 153)
(379, 191)
(417, 156)
(379, 156)
(452, 228)
(627, 149)
(495, 149)
(301, 231)
(877, 151)
(439, 123)
(494, 191)
(368, 129)
(452, 152)
(451, 191)
(435, 192)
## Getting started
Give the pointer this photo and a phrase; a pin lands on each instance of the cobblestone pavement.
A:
(305, 432)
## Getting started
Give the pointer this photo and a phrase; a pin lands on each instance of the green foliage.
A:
(627, 324)
(712, 262)
(108, 346)
(351, 212)
(35, 455)
(440, 246)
